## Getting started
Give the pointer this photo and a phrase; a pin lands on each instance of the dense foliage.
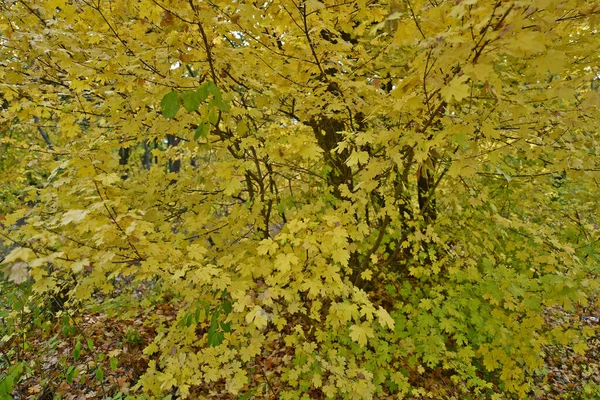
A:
(386, 189)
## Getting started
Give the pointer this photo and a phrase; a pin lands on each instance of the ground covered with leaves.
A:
(99, 354)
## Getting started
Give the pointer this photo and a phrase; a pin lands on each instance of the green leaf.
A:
(184, 321)
(203, 92)
(72, 372)
(170, 104)
(215, 317)
(227, 307)
(6, 387)
(7, 382)
(19, 305)
(213, 116)
(216, 339)
(202, 131)
(223, 105)
(16, 370)
(212, 330)
(77, 350)
(226, 327)
(114, 362)
(191, 100)
(99, 374)
(213, 89)
(90, 344)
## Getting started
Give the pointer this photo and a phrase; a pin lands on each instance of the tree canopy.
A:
(386, 189)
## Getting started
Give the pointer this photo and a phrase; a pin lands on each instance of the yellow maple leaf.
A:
(284, 262)
(457, 89)
(74, 216)
(367, 274)
(259, 317)
(267, 246)
(361, 333)
(384, 318)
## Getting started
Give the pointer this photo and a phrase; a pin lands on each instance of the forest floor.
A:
(99, 353)
(109, 359)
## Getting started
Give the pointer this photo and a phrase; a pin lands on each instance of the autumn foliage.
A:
(389, 191)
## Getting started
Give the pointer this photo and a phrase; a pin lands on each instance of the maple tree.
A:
(386, 188)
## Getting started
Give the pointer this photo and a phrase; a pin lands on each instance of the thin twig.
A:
(414, 17)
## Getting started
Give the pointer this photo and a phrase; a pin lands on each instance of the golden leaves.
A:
(73, 216)
(267, 246)
(361, 333)
(384, 318)
(16, 271)
(258, 317)
(457, 89)
(263, 216)
(284, 262)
